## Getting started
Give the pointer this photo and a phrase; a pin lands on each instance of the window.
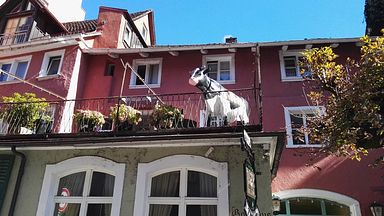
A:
(289, 65)
(7, 68)
(82, 186)
(6, 164)
(182, 185)
(144, 32)
(52, 63)
(149, 70)
(296, 120)
(16, 67)
(221, 68)
(316, 202)
(312, 206)
(109, 69)
(16, 30)
(127, 35)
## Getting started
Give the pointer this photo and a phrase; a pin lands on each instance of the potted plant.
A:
(126, 116)
(44, 124)
(22, 111)
(89, 120)
(165, 116)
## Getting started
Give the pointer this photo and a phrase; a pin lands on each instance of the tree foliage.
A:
(22, 110)
(353, 95)
(374, 16)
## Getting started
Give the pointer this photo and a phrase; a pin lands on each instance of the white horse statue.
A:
(219, 101)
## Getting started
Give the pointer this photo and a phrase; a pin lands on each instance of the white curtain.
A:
(164, 185)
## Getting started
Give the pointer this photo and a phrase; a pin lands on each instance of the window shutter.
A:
(6, 163)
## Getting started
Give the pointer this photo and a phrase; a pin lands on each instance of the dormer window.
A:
(127, 35)
(16, 30)
(144, 32)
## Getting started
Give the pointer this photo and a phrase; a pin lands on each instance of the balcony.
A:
(15, 38)
(22, 37)
(162, 113)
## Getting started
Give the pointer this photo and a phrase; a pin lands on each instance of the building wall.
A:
(298, 167)
(110, 21)
(174, 78)
(140, 23)
(57, 84)
(37, 160)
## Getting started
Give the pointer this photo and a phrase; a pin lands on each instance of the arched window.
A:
(82, 186)
(316, 202)
(182, 185)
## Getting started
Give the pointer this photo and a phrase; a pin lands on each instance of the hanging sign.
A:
(250, 188)
(246, 145)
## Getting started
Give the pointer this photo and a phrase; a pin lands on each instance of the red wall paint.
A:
(336, 174)
(58, 85)
(174, 78)
(109, 21)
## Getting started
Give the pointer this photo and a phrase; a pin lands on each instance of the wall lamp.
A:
(377, 209)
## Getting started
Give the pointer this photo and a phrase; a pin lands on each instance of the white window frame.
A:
(54, 172)
(181, 163)
(14, 63)
(146, 62)
(300, 110)
(295, 53)
(45, 64)
(353, 204)
(127, 41)
(144, 32)
(223, 57)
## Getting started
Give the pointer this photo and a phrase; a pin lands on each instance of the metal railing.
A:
(14, 38)
(114, 114)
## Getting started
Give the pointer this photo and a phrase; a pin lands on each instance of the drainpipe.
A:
(257, 84)
(18, 180)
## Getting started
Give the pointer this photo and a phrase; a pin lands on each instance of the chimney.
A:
(230, 40)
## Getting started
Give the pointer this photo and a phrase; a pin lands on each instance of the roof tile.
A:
(81, 26)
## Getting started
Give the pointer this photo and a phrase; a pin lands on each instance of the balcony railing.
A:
(97, 115)
(14, 38)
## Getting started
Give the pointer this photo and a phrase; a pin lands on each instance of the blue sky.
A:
(208, 21)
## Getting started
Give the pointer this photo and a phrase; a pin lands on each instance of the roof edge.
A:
(101, 51)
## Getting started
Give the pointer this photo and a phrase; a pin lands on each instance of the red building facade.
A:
(83, 65)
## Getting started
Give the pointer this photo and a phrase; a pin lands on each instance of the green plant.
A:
(125, 114)
(165, 116)
(22, 110)
(353, 95)
(89, 120)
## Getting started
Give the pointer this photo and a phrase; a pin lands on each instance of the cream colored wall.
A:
(140, 23)
(120, 43)
(37, 160)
